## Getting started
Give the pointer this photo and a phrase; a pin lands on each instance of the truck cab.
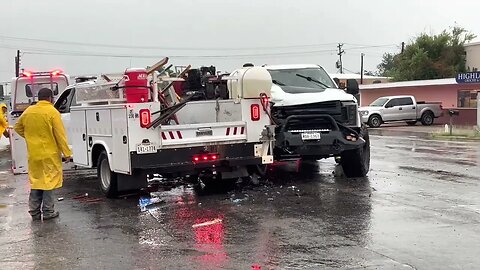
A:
(23, 94)
(315, 120)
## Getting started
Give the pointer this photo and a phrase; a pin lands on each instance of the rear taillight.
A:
(205, 158)
(255, 112)
(145, 118)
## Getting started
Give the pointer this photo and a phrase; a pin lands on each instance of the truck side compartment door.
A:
(121, 157)
(79, 138)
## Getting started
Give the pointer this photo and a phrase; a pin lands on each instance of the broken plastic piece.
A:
(238, 200)
(144, 202)
(207, 223)
(81, 196)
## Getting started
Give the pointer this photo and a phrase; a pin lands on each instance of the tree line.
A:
(428, 57)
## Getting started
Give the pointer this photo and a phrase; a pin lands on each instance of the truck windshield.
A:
(304, 80)
(31, 90)
(379, 102)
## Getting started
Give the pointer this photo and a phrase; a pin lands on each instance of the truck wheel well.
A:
(427, 111)
(375, 114)
(96, 150)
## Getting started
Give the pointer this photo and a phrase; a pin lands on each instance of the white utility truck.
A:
(314, 119)
(24, 93)
(128, 131)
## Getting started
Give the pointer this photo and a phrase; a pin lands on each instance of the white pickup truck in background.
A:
(400, 108)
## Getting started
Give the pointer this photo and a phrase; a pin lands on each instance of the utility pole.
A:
(17, 64)
(403, 47)
(361, 67)
(340, 53)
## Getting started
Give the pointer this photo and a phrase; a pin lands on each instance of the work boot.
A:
(37, 217)
(53, 215)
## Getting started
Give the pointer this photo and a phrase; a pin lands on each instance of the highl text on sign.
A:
(469, 77)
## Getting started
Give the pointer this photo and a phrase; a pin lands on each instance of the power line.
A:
(178, 48)
(178, 56)
(370, 45)
(357, 46)
(351, 71)
(45, 51)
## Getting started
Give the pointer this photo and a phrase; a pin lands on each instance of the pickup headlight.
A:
(363, 113)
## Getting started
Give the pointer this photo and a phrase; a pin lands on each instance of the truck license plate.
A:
(146, 148)
(311, 136)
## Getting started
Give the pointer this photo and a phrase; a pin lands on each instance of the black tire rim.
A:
(428, 119)
(375, 121)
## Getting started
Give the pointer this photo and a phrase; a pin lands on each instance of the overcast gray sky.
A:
(224, 33)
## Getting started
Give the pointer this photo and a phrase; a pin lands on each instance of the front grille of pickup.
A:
(343, 113)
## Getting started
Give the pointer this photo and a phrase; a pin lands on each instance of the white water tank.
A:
(249, 82)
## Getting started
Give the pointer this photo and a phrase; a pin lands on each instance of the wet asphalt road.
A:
(418, 209)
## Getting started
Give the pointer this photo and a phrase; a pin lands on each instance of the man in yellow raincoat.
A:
(3, 121)
(42, 127)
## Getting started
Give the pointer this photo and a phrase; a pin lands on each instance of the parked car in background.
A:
(400, 108)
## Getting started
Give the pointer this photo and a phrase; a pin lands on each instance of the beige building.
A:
(473, 56)
(366, 78)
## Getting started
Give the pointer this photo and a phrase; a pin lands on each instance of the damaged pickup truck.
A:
(315, 120)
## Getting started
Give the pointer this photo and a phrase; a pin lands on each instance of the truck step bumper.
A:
(180, 159)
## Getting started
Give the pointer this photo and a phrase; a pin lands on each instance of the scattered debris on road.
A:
(145, 202)
(207, 223)
(80, 196)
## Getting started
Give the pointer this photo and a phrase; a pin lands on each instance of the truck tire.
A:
(411, 123)
(308, 166)
(375, 121)
(356, 163)
(107, 179)
(260, 170)
(427, 118)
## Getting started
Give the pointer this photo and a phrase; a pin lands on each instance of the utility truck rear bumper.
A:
(182, 160)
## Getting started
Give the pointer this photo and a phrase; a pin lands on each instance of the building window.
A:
(467, 98)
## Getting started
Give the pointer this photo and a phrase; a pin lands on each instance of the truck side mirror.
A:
(352, 87)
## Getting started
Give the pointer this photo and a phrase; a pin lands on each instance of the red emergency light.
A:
(56, 72)
(52, 73)
(27, 74)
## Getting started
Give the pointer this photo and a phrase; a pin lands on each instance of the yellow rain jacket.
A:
(3, 120)
(42, 127)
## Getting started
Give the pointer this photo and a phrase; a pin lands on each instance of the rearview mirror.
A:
(352, 87)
